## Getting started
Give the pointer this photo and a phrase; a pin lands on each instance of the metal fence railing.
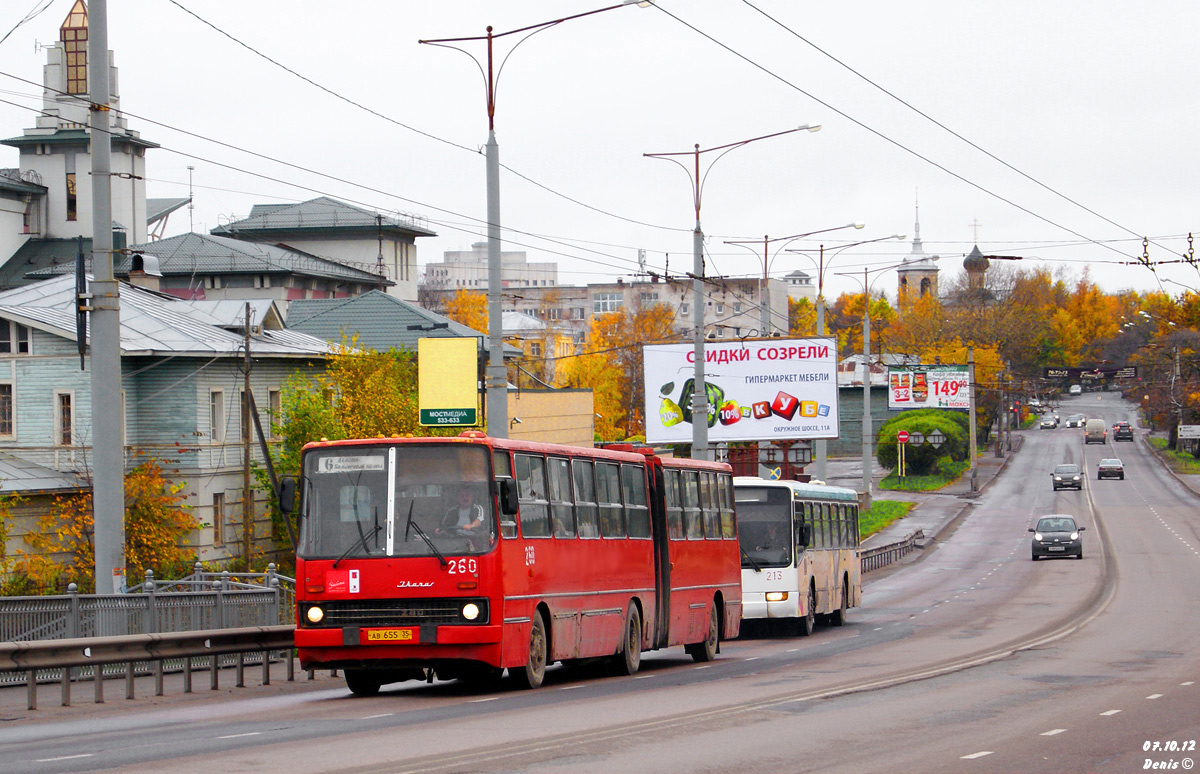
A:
(881, 556)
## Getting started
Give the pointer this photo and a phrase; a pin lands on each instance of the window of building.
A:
(535, 349)
(74, 36)
(14, 338)
(64, 419)
(218, 520)
(578, 313)
(603, 303)
(216, 415)
(648, 298)
(737, 307)
(274, 414)
(683, 310)
(6, 409)
(72, 201)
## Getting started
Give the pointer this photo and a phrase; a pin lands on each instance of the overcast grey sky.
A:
(1093, 102)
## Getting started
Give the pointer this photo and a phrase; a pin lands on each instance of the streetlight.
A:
(700, 393)
(866, 421)
(764, 288)
(497, 375)
(820, 449)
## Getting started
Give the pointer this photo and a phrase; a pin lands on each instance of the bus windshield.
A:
(407, 500)
(765, 526)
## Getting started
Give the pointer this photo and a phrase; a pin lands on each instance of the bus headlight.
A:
(776, 596)
(470, 611)
(315, 615)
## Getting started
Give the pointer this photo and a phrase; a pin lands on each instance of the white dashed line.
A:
(643, 677)
(1053, 732)
(569, 687)
(64, 758)
(1110, 712)
(1189, 682)
(384, 715)
(973, 756)
(703, 666)
(480, 701)
(239, 736)
(1154, 696)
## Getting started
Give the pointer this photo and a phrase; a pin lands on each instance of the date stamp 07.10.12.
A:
(1170, 749)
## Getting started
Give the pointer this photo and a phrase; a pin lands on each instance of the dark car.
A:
(1076, 420)
(1122, 431)
(1067, 477)
(1110, 468)
(1056, 535)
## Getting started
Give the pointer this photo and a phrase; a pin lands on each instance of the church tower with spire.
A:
(918, 273)
(56, 152)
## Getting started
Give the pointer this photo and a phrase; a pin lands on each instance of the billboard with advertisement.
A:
(928, 386)
(757, 390)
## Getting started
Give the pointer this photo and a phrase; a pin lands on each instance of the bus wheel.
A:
(362, 682)
(534, 671)
(804, 626)
(838, 617)
(630, 658)
(706, 650)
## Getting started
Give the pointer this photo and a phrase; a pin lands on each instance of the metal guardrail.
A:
(882, 556)
(69, 656)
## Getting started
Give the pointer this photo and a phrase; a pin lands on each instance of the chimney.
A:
(144, 273)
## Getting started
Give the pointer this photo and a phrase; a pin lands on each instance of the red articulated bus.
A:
(459, 557)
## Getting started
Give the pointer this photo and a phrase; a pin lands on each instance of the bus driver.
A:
(464, 516)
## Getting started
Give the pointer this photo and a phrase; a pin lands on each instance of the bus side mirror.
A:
(508, 496)
(287, 494)
(806, 535)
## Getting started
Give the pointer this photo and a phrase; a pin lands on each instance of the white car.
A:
(1049, 423)
(1075, 390)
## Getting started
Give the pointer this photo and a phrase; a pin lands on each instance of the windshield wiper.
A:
(757, 567)
(408, 522)
(421, 534)
(363, 537)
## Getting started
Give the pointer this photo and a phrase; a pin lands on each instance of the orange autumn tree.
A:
(157, 525)
(611, 365)
(469, 308)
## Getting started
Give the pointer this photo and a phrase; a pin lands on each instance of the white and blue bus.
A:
(799, 545)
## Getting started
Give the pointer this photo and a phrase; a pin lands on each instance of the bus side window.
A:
(709, 505)
(585, 499)
(725, 489)
(823, 540)
(608, 493)
(562, 506)
(633, 487)
(531, 492)
(502, 470)
(692, 527)
(854, 533)
(674, 498)
(844, 526)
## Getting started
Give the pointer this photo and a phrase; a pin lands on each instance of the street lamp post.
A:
(497, 374)
(866, 419)
(820, 446)
(700, 392)
(764, 289)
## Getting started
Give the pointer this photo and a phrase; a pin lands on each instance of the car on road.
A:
(1110, 468)
(1076, 420)
(1075, 390)
(1049, 423)
(1056, 534)
(1095, 431)
(1122, 431)
(1067, 476)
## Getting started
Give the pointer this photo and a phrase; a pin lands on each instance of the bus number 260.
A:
(463, 567)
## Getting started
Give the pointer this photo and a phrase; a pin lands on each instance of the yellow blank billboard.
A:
(448, 383)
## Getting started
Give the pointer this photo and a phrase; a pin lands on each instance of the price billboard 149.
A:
(939, 386)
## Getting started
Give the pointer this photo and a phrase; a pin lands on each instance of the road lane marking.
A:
(569, 687)
(1189, 682)
(1110, 712)
(703, 666)
(64, 758)
(643, 677)
(239, 736)
(973, 756)
(1154, 696)
(1053, 732)
(480, 701)
(384, 715)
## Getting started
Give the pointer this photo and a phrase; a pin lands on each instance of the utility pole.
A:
(247, 492)
(971, 417)
(108, 456)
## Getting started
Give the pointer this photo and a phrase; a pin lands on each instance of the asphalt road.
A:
(973, 659)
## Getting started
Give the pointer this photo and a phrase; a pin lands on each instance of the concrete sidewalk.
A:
(935, 511)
